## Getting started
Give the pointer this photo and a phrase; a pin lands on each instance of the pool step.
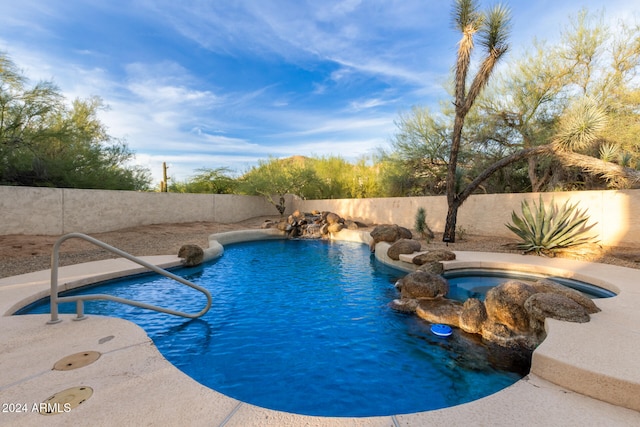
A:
(409, 257)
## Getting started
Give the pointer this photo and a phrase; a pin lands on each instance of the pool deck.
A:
(582, 374)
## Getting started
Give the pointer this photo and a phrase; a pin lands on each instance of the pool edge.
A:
(563, 358)
(533, 401)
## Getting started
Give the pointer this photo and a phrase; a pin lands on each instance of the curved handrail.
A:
(55, 299)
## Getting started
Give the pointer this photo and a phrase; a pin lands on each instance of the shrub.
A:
(545, 230)
(421, 225)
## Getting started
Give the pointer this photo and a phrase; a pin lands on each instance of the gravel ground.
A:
(21, 254)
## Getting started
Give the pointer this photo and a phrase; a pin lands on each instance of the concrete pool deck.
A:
(582, 374)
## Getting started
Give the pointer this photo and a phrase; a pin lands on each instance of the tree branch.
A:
(618, 176)
(505, 161)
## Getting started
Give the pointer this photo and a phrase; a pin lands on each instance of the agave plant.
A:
(545, 230)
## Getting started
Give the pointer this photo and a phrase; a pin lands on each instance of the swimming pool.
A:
(474, 283)
(305, 327)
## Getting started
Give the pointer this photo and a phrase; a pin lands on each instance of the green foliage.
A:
(417, 166)
(213, 181)
(310, 178)
(332, 176)
(576, 96)
(421, 225)
(339, 179)
(545, 230)
(461, 232)
(396, 179)
(279, 177)
(609, 152)
(580, 125)
(364, 180)
(45, 141)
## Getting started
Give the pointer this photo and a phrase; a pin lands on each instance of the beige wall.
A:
(617, 213)
(54, 211)
(26, 210)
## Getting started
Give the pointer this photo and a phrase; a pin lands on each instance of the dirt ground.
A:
(21, 254)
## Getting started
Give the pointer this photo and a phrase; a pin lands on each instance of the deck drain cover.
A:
(76, 361)
(65, 400)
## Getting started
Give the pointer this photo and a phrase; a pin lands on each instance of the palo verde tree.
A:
(277, 178)
(492, 30)
(46, 141)
(207, 180)
(419, 155)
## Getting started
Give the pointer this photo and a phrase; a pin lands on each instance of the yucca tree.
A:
(579, 129)
(492, 30)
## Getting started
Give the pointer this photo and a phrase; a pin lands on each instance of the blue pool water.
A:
(474, 283)
(305, 327)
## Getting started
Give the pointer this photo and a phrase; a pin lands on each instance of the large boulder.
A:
(473, 316)
(390, 233)
(405, 305)
(556, 306)
(284, 226)
(335, 227)
(354, 225)
(403, 246)
(440, 310)
(505, 305)
(296, 216)
(512, 315)
(191, 255)
(384, 233)
(496, 332)
(434, 256)
(332, 218)
(432, 267)
(421, 284)
(548, 286)
(404, 233)
(500, 334)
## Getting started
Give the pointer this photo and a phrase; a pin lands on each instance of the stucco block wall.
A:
(230, 208)
(93, 211)
(55, 211)
(617, 213)
(26, 210)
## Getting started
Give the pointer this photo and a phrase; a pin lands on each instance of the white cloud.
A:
(358, 105)
(170, 95)
(368, 61)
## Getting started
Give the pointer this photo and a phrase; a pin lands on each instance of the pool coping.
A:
(133, 384)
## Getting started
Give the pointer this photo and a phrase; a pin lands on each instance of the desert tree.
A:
(577, 101)
(555, 116)
(492, 30)
(275, 178)
(47, 141)
(207, 180)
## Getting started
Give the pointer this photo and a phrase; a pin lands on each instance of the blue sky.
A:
(224, 83)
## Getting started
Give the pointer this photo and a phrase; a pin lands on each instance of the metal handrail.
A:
(55, 300)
